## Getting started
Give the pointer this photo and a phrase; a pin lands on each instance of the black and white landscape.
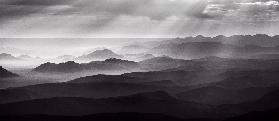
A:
(139, 60)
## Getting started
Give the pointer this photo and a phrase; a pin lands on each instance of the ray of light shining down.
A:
(132, 19)
(146, 18)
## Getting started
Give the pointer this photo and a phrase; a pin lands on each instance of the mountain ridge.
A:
(6, 74)
(99, 55)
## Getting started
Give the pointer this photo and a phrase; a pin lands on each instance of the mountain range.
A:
(183, 79)
(111, 64)
(210, 88)
(157, 102)
(194, 50)
(150, 102)
(239, 40)
(230, 77)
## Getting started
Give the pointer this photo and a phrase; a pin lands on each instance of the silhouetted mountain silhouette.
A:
(99, 55)
(239, 40)
(6, 74)
(71, 66)
(194, 50)
(209, 87)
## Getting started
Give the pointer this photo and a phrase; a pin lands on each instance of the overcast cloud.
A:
(136, 18)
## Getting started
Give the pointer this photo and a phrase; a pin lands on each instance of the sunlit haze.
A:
(136, 18)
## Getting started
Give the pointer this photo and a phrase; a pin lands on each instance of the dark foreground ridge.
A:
(271, 115)
(125, 116)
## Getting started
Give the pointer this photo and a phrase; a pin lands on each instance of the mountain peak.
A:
(69, 66)
(6, 74)
(115, 60)
(100, 55)
(104, 52)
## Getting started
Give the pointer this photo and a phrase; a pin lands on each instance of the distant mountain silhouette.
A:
(229, 73)
(188, 50)
(99, 55)
(239, 40)
(6, 74)
(217, 63)
(194, 50)
(162, 63)
(8, 57)
(71, 66)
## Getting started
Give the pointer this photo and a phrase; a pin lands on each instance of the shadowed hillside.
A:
(154, 102)
(6, 74)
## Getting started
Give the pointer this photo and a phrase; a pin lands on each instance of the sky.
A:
(136, 18)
